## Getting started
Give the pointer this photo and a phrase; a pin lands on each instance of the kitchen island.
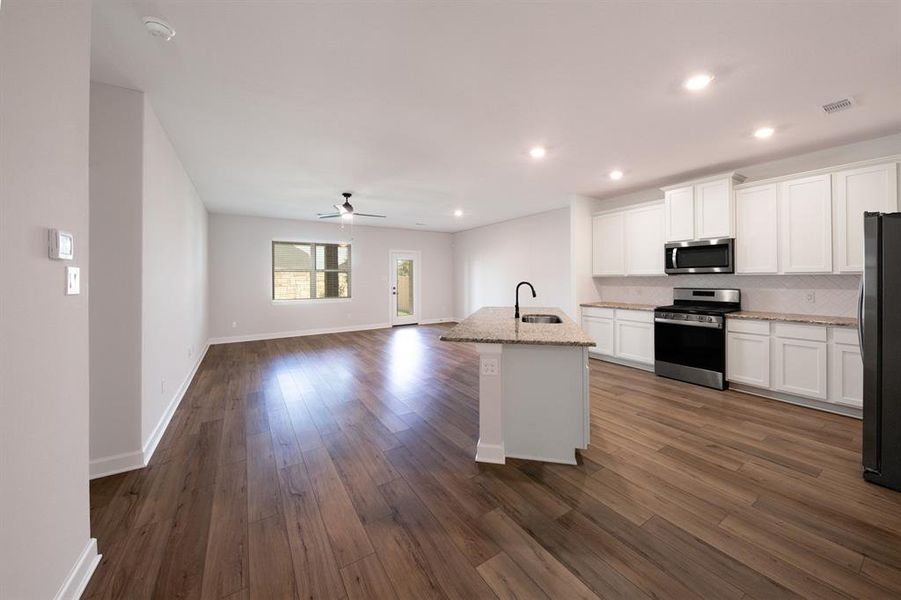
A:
(533, 384)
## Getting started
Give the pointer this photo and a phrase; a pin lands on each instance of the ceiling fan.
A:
(346, 210)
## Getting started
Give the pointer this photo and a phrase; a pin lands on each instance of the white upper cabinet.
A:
(855, 191)
(608, 245)
(628, 241)
(700, 210)
(713, 209)
(680, 214)
(644, 232)
(806, 222)
(756, 229)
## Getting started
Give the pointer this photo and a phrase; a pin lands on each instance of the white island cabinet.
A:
(533, 384)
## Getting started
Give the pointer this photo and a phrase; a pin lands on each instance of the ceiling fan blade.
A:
(329, 215)
(367, 215)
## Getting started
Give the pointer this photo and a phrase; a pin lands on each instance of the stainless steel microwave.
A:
(704, 256)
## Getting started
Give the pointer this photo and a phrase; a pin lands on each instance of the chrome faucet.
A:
(518, 285)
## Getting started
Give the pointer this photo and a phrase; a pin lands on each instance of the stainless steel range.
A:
(690, 335)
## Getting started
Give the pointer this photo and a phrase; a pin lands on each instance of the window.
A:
(306, 270)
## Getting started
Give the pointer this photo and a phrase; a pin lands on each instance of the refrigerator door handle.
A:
(860, 316)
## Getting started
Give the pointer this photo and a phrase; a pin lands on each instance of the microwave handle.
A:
(675, 261)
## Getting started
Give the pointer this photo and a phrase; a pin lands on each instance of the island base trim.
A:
(490, 453)
(559, 460)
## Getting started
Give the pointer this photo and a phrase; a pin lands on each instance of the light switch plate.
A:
(73, 281)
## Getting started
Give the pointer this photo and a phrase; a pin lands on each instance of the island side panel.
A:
(544, 409)
(490, 448)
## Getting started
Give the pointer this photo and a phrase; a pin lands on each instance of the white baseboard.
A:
(77, 579)
(435, 321)
(490, 453)
(117, 463)
(137, 459)
(160, 429)
(254, 337)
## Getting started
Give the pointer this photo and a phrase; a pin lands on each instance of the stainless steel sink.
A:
(541, 319)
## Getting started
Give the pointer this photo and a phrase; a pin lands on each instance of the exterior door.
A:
(404, 268)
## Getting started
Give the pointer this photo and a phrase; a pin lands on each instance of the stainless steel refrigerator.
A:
(879, 328)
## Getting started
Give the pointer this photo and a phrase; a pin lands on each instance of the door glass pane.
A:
(404, 268)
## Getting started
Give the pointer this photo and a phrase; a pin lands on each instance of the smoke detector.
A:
(838, 106)
(159, 28)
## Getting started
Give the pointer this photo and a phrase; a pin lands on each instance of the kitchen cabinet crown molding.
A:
(736, 177)
(619, 209)
(821, 171)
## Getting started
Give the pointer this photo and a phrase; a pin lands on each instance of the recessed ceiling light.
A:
(616, 174)
(763, 133)
(538, 152)
(159, 28)
(458, 213)
(698, 82)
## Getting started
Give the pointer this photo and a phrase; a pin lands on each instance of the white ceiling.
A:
(420, 108)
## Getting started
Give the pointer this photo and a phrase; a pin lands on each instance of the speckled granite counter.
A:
(496, 325)
(622, 305)
(795, 318)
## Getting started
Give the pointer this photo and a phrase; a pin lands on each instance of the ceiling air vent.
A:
(838, 106)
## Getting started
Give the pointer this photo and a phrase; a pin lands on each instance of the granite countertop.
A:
(795, 318)
(622, 305)
(496, 325)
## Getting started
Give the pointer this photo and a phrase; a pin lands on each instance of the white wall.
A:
(174, 279)
(241, 278)
(489, 262)
(116, 159)
(44, 524)
(832, 294)
(580, 212)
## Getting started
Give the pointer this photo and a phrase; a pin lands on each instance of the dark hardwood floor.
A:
(342, 466)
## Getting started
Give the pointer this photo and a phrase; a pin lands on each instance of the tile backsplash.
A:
(834, 295)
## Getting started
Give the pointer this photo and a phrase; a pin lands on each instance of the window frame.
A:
(313, 272)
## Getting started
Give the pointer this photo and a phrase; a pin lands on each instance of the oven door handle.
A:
(688, 323)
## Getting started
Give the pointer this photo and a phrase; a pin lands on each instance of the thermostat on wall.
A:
(62, 244)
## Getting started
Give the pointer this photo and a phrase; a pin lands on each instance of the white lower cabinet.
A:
(845, 368)
(800, 367)
(809, 361)
(600, 329)
(748, 358)
(635, 341)
(620, 333)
